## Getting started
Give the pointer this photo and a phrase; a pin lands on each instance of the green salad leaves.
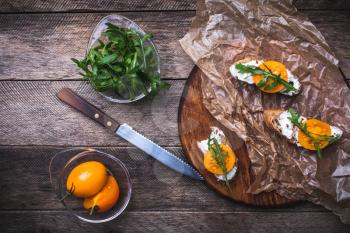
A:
(123, 62)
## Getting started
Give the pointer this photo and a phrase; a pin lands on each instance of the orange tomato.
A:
(211, 165)
(105, 199)
(316, 128)
(87, 179)
(276, 68)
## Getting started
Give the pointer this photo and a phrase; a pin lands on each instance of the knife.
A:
(128, 133)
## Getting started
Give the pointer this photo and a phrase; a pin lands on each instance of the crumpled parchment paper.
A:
(225, 31)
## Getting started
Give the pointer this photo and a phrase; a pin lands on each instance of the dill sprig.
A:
(267, 75)
(315, 138)
(219, 156)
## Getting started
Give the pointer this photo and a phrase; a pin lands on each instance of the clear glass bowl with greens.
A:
(121, 61)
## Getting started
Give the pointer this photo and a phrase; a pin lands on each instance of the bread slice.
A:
(245, 60)
(242, 61)
(271, 118)
(248, 77)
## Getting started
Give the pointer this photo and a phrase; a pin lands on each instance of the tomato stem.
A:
(92, 209)
(68, 193)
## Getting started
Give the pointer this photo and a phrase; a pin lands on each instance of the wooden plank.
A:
(58, 221)
(31, 114)
(334, 29)
(107, 5)
(141, 5)
(39, 46)
(25, 185)
(322, 4)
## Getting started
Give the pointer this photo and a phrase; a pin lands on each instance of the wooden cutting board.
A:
(194, 125)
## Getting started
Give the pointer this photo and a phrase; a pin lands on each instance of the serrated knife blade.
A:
(125, 131)
(157, 152)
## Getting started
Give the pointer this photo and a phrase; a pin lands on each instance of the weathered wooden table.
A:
(38, 38)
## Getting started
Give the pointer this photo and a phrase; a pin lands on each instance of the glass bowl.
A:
(122, 22)
(62, 164)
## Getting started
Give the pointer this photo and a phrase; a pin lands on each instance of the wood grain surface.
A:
(174, 222)
(155, 187)
(40, 46)
(162, 201)
(38, 38)
(137, 5)
(31, 114)
(194, 126)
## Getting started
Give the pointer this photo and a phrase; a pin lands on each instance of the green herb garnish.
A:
(123, 62)
(315, 138)
(267, 75)
(219, 156)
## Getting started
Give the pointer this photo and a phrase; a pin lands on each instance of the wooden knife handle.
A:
(71, 98)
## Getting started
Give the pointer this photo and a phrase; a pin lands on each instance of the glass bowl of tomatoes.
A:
(93, 185)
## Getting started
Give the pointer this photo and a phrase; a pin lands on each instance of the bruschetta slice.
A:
(269, 76)
(311, 134)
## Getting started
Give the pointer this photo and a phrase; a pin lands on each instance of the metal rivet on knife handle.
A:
(71, 98)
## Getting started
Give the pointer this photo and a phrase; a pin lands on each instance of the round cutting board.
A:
(194, 125)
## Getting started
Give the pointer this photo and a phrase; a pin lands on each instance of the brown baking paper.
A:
(225, 31)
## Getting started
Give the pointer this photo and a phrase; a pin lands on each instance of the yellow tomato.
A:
(317, 129)
(105, 199)
(276, 68)
(87, 179)
(211, 165)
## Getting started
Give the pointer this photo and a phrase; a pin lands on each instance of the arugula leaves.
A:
(315, 138)
(276, 79)
(219, 156)
(123, 62)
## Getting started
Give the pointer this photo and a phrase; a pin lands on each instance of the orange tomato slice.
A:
(211, 165)
(316, 128)
(276, 68)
